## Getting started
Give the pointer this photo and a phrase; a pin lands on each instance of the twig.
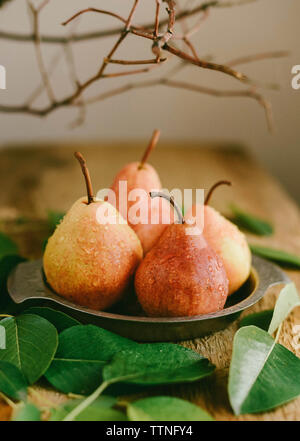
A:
(41, 87)
(157, 11)
(206, 64)
(100, 11)
(123, 35)
(128, 23)
(250, 93)
(37, 40)
(159, 42)
(257, 57)
(134, 62)
(189, 33)
(71, 64)
(128, 72)
(193, 88)
(190, 45)
(54, 39)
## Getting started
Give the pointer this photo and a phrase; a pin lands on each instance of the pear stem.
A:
(155, 194)
(151, 146)
(217, 184)
(86, 174)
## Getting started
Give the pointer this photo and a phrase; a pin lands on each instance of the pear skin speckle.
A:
(229, 243)
(90, 263)
(148, 180)
(168, 284)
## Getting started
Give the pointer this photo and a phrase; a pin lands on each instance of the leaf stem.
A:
(85, 403)
(91, 398)
(278, 333)
(8, 400)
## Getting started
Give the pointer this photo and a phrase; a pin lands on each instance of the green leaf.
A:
(260, 319)
(27, 412)
(31, 343)
(99, 410)
(12, 381)
(263, 374)
(7, 246)
(54, 218)
(157, 363)
(251, 223)
(271, 319)
(287, 300)
(58, 319)
(165, 409)
(82, 352)
(149, 364)
(278, 256)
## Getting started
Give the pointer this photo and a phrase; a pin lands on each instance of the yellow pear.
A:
(227, 241)
(89, 262)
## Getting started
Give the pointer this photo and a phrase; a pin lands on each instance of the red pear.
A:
(181, 275)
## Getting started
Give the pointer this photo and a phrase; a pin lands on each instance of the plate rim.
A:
(266, 274)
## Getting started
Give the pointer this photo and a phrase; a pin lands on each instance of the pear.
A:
(141, 175)
(181, 275)
(227, 241)
(89, 262)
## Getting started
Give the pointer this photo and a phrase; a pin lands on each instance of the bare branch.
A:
(100, 11)
(257, 57)
(41, 87)
(159, 42)
(130, 62)
(54, 39)
(123, 35)
(157, 11)
(128, 72)
(250, 93)
(207, 64)
(37, 40)
(155, 32)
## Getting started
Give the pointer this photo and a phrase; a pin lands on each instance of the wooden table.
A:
(35, 180)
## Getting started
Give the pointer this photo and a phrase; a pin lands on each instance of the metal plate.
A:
(26, 284)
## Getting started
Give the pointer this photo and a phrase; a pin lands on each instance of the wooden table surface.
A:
(34, 180)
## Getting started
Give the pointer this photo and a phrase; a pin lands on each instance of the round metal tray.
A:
(26, 283)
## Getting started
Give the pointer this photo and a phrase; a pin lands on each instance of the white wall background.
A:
(228, 33)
